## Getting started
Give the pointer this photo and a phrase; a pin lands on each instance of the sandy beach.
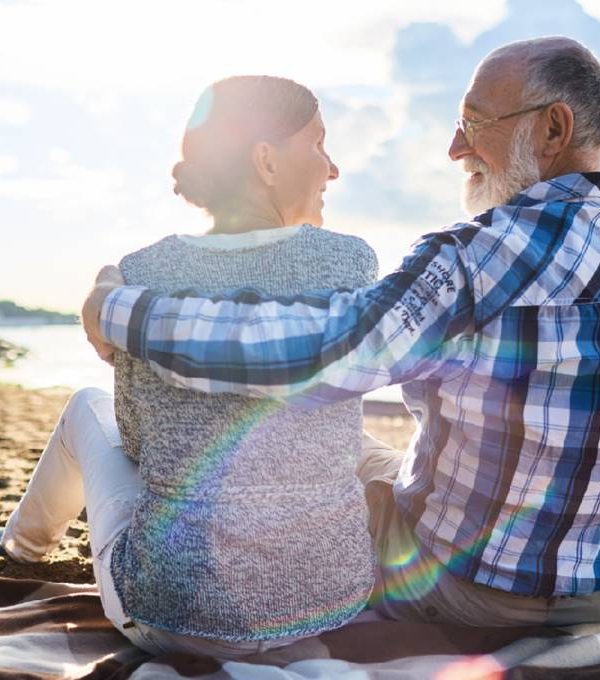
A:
(27, 418)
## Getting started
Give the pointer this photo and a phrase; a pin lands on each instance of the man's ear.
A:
(557, 129)
(264, 159)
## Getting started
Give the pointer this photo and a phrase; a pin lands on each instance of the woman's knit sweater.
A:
(251, 523)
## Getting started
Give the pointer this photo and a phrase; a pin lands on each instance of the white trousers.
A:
(83, 465)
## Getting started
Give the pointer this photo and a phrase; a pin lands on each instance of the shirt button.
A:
(431, 611)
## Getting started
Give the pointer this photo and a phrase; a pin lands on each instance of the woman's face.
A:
(303, 170)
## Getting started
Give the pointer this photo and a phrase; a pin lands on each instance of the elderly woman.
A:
(221, 524)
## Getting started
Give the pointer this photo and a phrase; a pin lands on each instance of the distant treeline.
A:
(13, 312)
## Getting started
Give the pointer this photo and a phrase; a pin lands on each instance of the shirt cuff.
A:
(116, 313)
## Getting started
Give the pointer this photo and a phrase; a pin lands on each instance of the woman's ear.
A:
(557, 128)
(264, 159)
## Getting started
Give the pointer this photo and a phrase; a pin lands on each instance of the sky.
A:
(94, 97)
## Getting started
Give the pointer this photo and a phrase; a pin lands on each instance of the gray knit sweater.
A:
(251, 523)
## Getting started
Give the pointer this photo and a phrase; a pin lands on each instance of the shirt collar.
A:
(569, 187)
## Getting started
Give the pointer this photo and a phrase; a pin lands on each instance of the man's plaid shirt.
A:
(491, 327)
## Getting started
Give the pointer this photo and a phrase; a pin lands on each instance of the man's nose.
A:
(458, 146)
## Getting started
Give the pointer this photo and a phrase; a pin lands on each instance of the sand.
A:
(27, 417)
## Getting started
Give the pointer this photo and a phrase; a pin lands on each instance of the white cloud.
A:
(99, 104)
(124, 47)
(356, 127)
(592, 7)
(426, 171)
(14, 111)
(72, 194)
(8, 164)
(59, 156)
(135, 68)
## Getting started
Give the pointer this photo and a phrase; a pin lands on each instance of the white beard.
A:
(493, 189)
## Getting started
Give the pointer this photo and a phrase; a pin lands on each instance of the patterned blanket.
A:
(56, 630)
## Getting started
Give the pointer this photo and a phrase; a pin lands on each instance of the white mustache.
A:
(474, 165)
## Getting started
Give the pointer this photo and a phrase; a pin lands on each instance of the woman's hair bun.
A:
(191, 183)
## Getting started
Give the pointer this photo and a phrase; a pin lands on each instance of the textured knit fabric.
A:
(493, 328)
(251, 524)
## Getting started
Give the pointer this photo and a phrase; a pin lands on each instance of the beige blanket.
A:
(55, 630)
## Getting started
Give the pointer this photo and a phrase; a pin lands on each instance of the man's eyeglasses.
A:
(470, 127)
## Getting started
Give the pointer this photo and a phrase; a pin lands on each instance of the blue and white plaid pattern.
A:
(493, 329)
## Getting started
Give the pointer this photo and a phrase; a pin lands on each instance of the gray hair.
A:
(564, 70)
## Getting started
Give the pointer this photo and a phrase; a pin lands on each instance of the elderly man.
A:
(492, 327)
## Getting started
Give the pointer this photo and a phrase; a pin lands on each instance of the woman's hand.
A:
(108, 279)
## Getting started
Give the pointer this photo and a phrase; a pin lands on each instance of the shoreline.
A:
(9, 352)
(27, 418)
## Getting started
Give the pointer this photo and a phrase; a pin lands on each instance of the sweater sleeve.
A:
(311, 349)
(369, 266)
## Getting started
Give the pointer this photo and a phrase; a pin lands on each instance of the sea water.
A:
(60, 356)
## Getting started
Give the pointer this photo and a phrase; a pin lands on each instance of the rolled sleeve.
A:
(116, 316)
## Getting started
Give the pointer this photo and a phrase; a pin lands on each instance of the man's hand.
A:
(108, 279)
